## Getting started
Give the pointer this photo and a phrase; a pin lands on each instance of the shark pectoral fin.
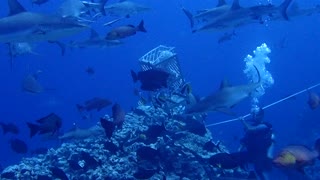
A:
(61, 45)
(226, 111)
(190, 16)
(283, 9)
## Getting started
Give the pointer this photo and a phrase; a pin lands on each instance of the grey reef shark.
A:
(24, 26)
(226, 17)
(224, 99)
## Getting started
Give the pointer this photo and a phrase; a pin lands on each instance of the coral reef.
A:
(151, 145)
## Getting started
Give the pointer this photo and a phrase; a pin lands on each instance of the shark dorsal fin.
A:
(235, 5)
(15, 7)
(221, 3)
(94, 34)
(224, 83)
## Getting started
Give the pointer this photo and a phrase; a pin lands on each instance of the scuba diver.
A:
(257, 142)
(255, 148)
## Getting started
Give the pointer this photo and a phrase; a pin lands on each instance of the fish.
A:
(31, 84)
(111, 147)
(118, 115)
(95, 41)
(144, 173)
(58, 173)
(210, 146)
(153, 132)
(226, 37)
(238, 16)
(9, 128)
(207, 14)
(297, 157)
(39, 2)
(148, 154)
(152, 79)
(90, 161)
(313, 100)
(95, 103)
(125, 31)
(225, 98)
(125, 8)
(48, 124)
(23, 26)
(228, 161)
(74, 165)
(19, 49)
(90, 71)
(77, 133)
(18, 146)
(108, 127)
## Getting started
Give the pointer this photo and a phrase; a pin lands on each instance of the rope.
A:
(265, 107)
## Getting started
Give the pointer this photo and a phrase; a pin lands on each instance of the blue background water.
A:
(294, 66)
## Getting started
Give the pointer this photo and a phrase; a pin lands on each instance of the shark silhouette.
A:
(225, 98)
(239, 16)
(207, 14)
(24, 26)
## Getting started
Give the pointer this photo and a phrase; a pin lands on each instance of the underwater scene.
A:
(160, 90)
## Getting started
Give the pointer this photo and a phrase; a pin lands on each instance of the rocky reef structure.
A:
(151, 144)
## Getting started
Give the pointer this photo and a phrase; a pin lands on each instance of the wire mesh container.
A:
(164, 58)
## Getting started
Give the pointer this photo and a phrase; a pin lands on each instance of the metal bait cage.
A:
(164, 58)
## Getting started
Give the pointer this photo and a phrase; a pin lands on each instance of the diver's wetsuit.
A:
(257, 142)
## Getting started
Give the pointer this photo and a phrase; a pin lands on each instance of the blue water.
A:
(204, 63)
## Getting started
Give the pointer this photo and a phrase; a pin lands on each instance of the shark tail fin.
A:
(101, 7)
(34, 129)
(61, 45)
(283, 8)
(140, 27)
(190, 16)
(317, 147)
(134, 76)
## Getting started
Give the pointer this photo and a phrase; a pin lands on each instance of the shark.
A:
(77, 133)
(125, 9)
(239, 16)
(95, 41)
(24, 26)
(225, 98)
(295, 11)
(207, 14)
